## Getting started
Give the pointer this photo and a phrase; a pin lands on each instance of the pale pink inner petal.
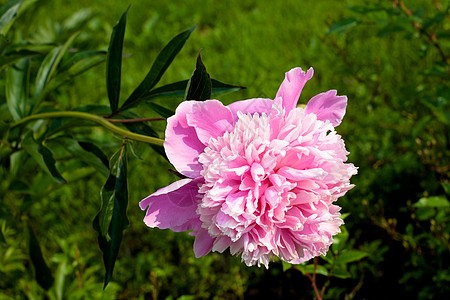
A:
(250, 106)
(328, 106)
(291, 88)
(269, 185)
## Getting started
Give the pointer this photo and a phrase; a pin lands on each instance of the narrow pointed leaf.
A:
(77, 65)
(200, 86)
(42, 156)
(161, 110)
(42, 271)
(112, 219)
(48, 68)
(17, 83)
(114, 62)
(50, 163)
(220, 88)
(160, 65)
(8, 12)
(78, 152)
(178, 89)
(2, 237)
(15, 52)
(173, 89)
(349, 256)
(90, 147)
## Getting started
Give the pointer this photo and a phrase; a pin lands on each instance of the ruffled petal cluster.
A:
(262, 175)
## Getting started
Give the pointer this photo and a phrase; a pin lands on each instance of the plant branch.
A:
(94, 118)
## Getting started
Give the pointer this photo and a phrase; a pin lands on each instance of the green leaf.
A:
(340, 272)
(42, 271)
(200, 86)
(114, 62)
(2, 237)
(348, 256)
(446, 187)
(17, 85)
(50, 162)
(90, 147)
(339, 240)
(425, 213)
(111, 220)
(221, 88)
(79, 63)
(343, 25)
(89, 158)
(161, 110)
(43, 156)
(8, 12)
(178, 89)
(433, 201)
(48, 68)
(286, 265)
(160, 65)
(21, 50)
(310, 269)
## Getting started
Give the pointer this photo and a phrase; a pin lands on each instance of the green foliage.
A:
(200, 86)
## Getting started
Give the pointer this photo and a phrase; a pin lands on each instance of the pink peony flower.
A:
(262, 175)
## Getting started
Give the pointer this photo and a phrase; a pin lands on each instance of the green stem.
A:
(94, 118)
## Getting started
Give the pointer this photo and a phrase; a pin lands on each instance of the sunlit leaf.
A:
(8, 12)
(42, 271)
(88, 157)
(160, 65)
(433, 201)
(348, 256)
(311, 268)
(343, 25)
(91, 147)
(114, 62)
(339, 240)
(340, 271)
(15, 52)
(77, 65)
(200, 87)
(48, 68)
(112, 219)
(17, 86)
(2, 236)
(178, 89)
(161, 110)
(50, 163)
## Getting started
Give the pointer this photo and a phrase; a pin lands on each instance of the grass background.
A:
(253, 43)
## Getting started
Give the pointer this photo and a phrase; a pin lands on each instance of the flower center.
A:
(269, 182)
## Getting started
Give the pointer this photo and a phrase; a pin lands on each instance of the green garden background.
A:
(391, 59)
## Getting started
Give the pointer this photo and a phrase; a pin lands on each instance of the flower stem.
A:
(94, 118)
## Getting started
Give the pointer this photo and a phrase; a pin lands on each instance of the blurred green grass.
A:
(249, 43)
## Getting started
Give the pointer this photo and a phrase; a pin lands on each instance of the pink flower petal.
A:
(210, 119)
(180, 135)
(251, 106)
(291, 88)
(174, 206)
(203, 243)
(327, 106)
